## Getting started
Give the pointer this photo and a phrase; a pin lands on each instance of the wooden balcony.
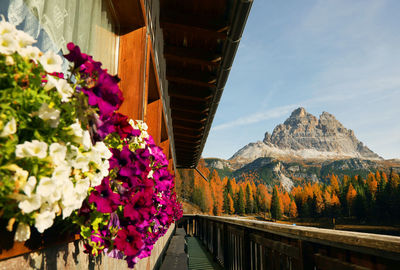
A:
(236, 243)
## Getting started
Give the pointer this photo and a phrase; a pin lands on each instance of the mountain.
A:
(303, 148)
(304, 136)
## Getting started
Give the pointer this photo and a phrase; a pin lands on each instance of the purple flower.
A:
(140, 207)
(164, 180)
(75, 55)
(129, 241)
(105, 199)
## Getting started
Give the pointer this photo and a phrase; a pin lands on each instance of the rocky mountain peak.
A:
(303, 135)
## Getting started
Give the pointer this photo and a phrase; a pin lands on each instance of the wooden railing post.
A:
(246, 250)
(226, 246)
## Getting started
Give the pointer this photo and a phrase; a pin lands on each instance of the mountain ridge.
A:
(305, 136)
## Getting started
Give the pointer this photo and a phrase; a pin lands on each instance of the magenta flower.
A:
(105, 199)
(129, 241)
(140, 207)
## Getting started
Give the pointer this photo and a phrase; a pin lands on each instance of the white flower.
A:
(61, 173)
(54, 196)
(86, 141)
(150, 175)
(9, 128)
(24, 39)
(44, 220)
(49, 114)
(30, 53)
(82, 186)
(102, 150)
(95, 179)
(6, 27)
(30, 203)
(64, 89)
(23, 232)
(57, 152)
(46, 187)
(30, 186)
(72, 153)
(51, 62)
(76, 129)
(51, 83)
(19, 175)
(31, 149)
(81, 161)
(8, 45)
(9, 60)
(104, 168)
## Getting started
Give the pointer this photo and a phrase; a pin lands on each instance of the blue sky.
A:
(342, 57)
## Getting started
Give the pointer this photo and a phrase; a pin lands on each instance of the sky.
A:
(338, 56)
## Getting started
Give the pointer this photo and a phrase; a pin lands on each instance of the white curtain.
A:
(54, 23)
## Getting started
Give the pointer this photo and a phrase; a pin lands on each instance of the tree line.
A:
(375, 197)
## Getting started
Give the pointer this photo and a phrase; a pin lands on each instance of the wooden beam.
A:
(179, 134)
(180, 140)
(195, 75)
(189, 81)
(199, 21)
(194, 53)
(180, 126)
(188, 119)
(191, 115)
(192, 61)
(189, 124)
(192, 104)
(186, 109)
(192, 30)
(190, 92)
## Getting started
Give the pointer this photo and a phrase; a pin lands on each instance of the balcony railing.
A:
(237, 243)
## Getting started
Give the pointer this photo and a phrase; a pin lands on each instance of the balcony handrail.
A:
(239, 243)
(339, 237)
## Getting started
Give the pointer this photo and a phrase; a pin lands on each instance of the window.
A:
(54, 23)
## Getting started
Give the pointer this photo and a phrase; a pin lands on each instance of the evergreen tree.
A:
(276, 211)
(249, 200)
(240, 202)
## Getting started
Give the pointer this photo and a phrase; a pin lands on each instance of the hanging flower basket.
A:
(68, 158)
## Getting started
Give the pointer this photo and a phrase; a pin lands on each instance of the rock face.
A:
(305, 136)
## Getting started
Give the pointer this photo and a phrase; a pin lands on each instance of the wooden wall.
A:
(140, 85)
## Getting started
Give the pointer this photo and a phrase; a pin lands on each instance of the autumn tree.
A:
(351, 195)
(293, 210)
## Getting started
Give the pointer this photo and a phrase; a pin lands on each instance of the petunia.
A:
(8, 44)
(24, 39)
(129, 241)
(23, 232)
(49, 114)
(44, 220)
(51, 62)
(9, 128)
(30, 203)
(30, 52)
(57, 152)
(34, 148)
(105, 199)
(46, 187)
(75, 55)
(64, 89)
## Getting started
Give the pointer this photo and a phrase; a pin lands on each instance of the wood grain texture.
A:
(131, 70)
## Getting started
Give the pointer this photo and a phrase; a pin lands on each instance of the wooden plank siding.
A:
(131, 70)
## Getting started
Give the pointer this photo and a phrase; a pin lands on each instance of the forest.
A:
(374, 198)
